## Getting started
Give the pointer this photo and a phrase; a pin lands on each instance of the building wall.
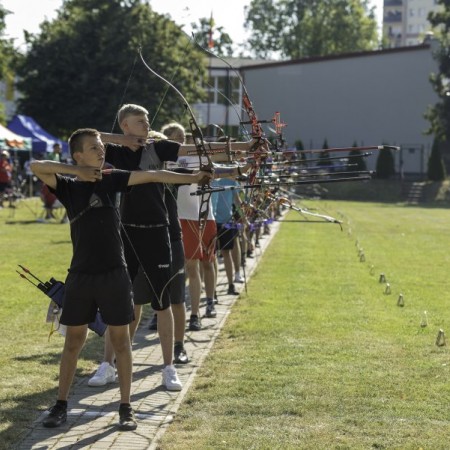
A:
(405, 22)
(8, 98)
(371, 98)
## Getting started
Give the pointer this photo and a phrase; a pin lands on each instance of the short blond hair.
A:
(173, 129)
(130, 109)
(152, 134)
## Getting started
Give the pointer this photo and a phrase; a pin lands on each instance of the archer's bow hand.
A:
(91, 174)
(127, 140)
(259, 147)
(203, 177)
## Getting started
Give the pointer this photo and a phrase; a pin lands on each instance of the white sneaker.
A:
(238, 278)
(170, 379)
(105, 374)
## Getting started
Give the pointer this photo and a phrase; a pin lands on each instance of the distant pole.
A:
(208, 110)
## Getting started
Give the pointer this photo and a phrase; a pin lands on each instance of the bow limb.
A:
(200, 147)
(257, 132)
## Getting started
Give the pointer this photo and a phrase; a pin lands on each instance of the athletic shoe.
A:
(57, 416)
(105, 374)
(194, 324)
(170, 379)
(179, 354)
(238, 278)
(232, 290)
(127, 422)
(210, 310)
(153, 325)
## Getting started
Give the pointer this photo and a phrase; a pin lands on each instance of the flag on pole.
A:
(210, 34)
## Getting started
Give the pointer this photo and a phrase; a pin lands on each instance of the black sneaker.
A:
(127, 422)
(153, 325)
(232, 290)
(194, 324)
(179, 354)
(57, 416)
(210, 310)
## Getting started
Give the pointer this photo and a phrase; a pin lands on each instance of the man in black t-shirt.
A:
(145, 236)
(98, 278)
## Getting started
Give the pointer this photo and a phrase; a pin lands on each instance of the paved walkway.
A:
(92, 414)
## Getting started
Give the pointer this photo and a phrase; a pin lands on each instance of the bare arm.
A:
(46, 171)
(230, 171)
(132, 142)
(244, 146)
(165, 176)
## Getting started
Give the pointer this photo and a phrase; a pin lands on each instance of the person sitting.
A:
(51, 203)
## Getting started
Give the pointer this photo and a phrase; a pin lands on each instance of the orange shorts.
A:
(198, 245)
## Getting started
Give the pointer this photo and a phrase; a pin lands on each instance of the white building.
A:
(371, 98)
(405, 21)
(223, 104)
(8, 97)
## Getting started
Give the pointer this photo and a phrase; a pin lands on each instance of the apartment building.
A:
(405, 22)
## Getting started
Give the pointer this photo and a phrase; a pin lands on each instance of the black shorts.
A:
(109, 292)
(149, 264)
(226, 237)
(177, 286)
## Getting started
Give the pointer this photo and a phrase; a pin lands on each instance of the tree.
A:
(385, 166)
(300, 156)
(357, 161)
(436, 167)
(299, 29)
(214, 38)
(324, 158)
(85, 64)
(439, 114)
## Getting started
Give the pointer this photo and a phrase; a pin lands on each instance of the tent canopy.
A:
(12, 141)
(42, 141)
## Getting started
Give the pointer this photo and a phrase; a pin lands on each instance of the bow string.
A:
(200, 146)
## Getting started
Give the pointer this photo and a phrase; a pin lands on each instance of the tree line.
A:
(83, 64)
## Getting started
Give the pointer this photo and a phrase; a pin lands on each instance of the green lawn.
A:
(29, 361)
(317, 356)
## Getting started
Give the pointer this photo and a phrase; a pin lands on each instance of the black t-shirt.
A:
(95, 224)
(170, 199)
(143, 204)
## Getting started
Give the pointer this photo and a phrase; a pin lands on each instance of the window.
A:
(222, 89)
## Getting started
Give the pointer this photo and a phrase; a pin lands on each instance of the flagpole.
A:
(210, 46)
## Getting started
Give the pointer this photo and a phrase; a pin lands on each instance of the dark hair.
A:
(77, 137)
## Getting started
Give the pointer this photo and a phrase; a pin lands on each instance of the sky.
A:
(27, 14)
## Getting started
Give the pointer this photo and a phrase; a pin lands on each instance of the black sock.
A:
(178, 344)
(124, 405)
(62, 403)
(209, 301)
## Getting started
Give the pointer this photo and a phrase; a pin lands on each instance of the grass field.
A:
(28, 360)
(317, 356)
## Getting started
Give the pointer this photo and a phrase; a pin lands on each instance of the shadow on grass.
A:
(20, 418)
